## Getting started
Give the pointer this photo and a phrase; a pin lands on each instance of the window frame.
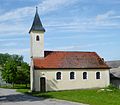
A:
(57, 75)
(37, 38)
(86, 77)
(96, 75)
(70, 75)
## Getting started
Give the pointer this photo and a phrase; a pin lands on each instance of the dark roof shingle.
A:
(37, 24)
(62, 59)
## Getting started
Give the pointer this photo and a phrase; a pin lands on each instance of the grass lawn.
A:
(91, 97)
(16, 86)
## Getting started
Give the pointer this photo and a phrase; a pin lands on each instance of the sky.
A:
(71, 25)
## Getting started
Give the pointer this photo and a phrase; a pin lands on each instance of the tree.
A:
(23, 74)
(26, 70)
(9, 72)
(15, 70)
(17, 58)
(4, 58)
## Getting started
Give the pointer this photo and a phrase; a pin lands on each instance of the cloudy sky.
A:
(71, 25)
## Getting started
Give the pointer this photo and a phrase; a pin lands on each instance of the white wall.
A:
(31, 76)
(37, 47)
(67, 84)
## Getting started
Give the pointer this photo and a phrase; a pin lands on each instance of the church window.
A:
(37, 38)
(97, 75)
(58, 75)
(72, 75)
(84, 75)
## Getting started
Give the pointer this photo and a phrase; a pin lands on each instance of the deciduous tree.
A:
(9, 72)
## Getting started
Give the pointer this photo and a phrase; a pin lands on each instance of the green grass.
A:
(16, 86)
(91, 97)
(25, 91)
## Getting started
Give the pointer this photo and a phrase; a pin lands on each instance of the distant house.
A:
(115, 76)
(114, 64)
(63, 70)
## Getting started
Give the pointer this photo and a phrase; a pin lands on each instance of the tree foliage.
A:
(9, 72)
(7, 57)
(15, 70)
(4, 58)
(23, 74)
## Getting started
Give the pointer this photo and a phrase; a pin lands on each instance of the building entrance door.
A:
(42, 84)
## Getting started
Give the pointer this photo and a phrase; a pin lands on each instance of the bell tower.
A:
(37, 37)
(36, 45)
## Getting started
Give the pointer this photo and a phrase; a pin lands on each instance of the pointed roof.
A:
(37, 25)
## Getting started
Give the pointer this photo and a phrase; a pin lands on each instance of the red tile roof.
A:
(62, 59)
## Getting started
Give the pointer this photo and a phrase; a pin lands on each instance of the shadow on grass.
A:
(39, 94)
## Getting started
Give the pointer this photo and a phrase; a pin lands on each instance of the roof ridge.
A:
(72, 51)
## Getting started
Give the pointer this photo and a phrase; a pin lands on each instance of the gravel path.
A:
(11, 97)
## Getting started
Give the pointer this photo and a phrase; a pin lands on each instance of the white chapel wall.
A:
(66, 84)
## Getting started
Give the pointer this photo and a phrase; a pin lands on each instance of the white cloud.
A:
(109, 1)
(101, 1)
(44, 7)
(12, 39)
(115, 17)
(93, 24)
(17, 14)
(15, 28)
(76, 36)
(14, 22)
(90, 46)
(10, 44)
(108, 20)
(16, 51)
(102, 17)
(50, 5)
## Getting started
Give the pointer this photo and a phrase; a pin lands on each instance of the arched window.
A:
(97, 75)
(84, 75)
(72, 75)
(37, 38)
(58, 75)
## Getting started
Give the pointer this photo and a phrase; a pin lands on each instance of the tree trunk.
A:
(26, 85)
(13, 84)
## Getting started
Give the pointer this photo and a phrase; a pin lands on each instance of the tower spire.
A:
(37, 24)
(36, 9)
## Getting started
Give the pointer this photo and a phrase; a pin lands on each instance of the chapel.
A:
(63, 70)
